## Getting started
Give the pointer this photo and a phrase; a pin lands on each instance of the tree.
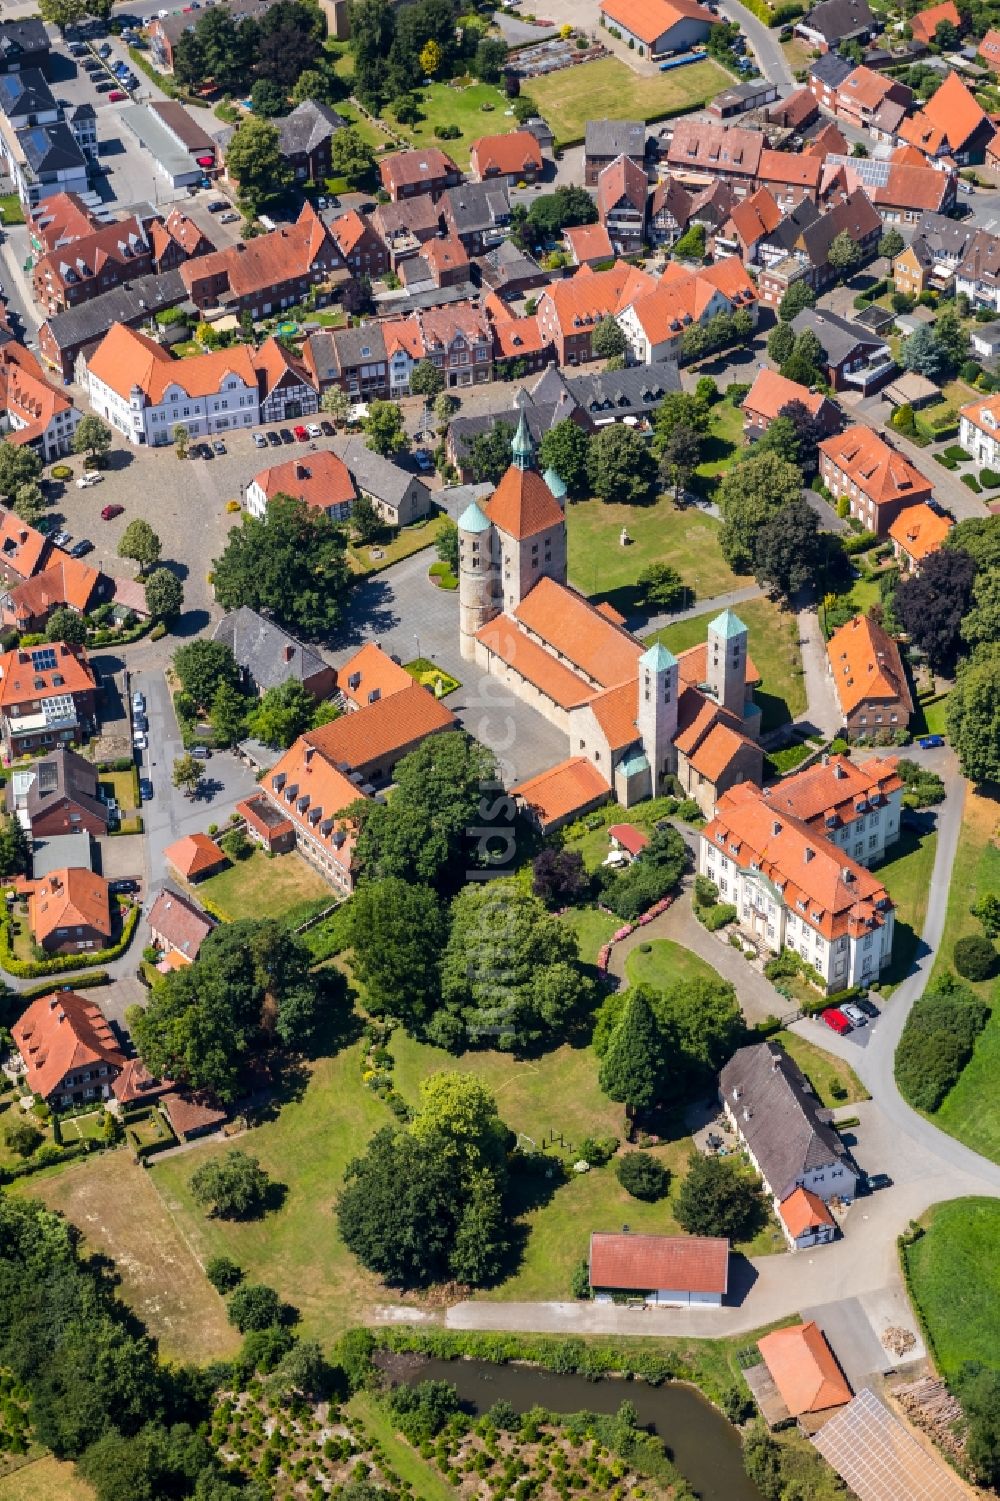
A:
(427, 380)
(188, 774)
(946, 36)
(352, 157)
(228, 714)
(140, 543)
(491, 54)
(762, 1462)
(750, 494)
(268, 99)
(384, 430)
(253, 1306)
(19, 465)
(982, 623)
(336, 402)
(632, 1066)
(509, 971)
(930, 605)
(980, 538)
(291, 564)
(662, 588)
(13, 847)
(201, 665)
(311, 85)
(805, 363)
(92, 437)
(22, 1136)
(788, 549)
(559, 876)
(608, 339)
(680, 455)
(254, 159)
(844, 254)
(367, 524)
(282, 714)
(974, 714)
(62, 13)
(487, 457)
(691, 245)
(396, 931)
(891, 244)
(923, 354)
(974, 957)
(29, 502)
(799, 296)
(233, 1187)
(621, 467)
(223, 1273)
(564, 448)
(642, 1176)
(66, 625)
(780, 342)
(164, 594)
(937, 1041)
(978, 1389)
(631, 891)
(805, 434)
(720, 1197)
(430, 58)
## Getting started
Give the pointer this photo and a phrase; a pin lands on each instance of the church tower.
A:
(528, 523)
(477, 577)
(726, 662)
(656, 716)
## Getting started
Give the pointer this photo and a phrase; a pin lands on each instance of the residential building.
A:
(194, 857)
(622, 189)
(192, 1115)
(409, 174)
(360, 246)
(177, 927)
(808, 249)
(569, 310)
(404, 226)
(924, 23)
(606, 140)
(978, 273)
(826, 73)
(989, 50)
(43, 160)
(23, 549)
(916, 533)
(700, 150)
(901, 191)
(979, 430)
(938, 248)
(269, 656)
(675, 208)
(442, 262)
(276, 270)
(742, 97)
(861, 93)
(69, 911)
(399, 497)
(320, 480)
(94, 263)
(954, 111)
(266, 825)
(26, 99)
(59, 220)
(176, 239)
(68, 1050)
(804, 1370)
(654, 322)
(769, 1102)
(589, 245)
(478, 213)
(834, 21)
(57, 795)
(48, 697)
(870, 680)
(359, 357)
(856, 805)
(24, 44)
(165, 32)
(305, 140)
(771, 394)
(33, 413)
(82, 121)
(64, 583)
(182, 127)
(512, 158)
(794, 112)
(369, 675)
(658, 27)
(685, 1271)
(806, 1221)
(878, 481)
(65, 338)
(789, 178)
(855, 359)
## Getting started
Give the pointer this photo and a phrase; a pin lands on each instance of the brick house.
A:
(606, 140)
(870, 680)
(362, 249)
(274, 271)
(622, 190)
(57, 795)
(568, 311)
(877, 480)
(408, 174)
(771, 393)
(69, 1051)
(48, 697)
(511, 158)
(69, 911)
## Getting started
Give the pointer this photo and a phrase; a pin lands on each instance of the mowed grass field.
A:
(774, 648)
(443, 104)
(822, 1070)
(665, 964)
(610, 90)
(45, 1479)
(285, 887)
(955, 1277)
(113, 1202)
(907, 878)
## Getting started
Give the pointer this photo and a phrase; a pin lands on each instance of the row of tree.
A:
(395, 47)
(211, 683)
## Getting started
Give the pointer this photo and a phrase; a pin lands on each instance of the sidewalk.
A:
(641, 625)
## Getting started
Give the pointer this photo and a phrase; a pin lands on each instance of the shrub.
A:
(223, 1273)
(970, 481)
(974, 957)
(718, 916)
(597, 1150)
(579, 1285)
(989, 478)
(62, 471)
(706, 893)
(937, 1042)
(23, 1137)
(642, 1176)
(27, 970)
(254, 1306)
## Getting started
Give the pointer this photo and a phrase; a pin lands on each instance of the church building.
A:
(633, 715)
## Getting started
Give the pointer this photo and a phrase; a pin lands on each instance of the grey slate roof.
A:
(324, 355)
(20, 38)
(359, 346)
(309, 124)
(615, 138)
(50, 148)
(385, 480)
(62, 773)
(944, 236)
(476, 206)
(25, 93)
(837, 336)
(633, 392)
(89, 321)
(61, 852)
(787, 1131)
(838, 20)
(506, 266)
(268, 654)
(830, 69)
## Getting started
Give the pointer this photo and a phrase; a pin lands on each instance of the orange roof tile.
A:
(865, 87)
(589, 242)
(644, 1263)
(562, 790)
(983, 413)
(878, 470)
(730, 277)
(804, 1369)
(522, 505)
(790, 168)
(692, 665)
(615, 710)
(532, 662)
(866, 665)
(407, 168)
(194, 855)
(312, 792)
(803, 1210)
(179, 923)
(63, 217)
(348, 230)
(580, 301)
(371, 670)
(72, 897)
(320, 479)
(21, 679)
(954, 109)
(989, 50)
(22, 548)
(920, 531)
(61, 1033)
(908, 156)
(926, 22)
(629, 837)
(281, 255)
(192, 1112)
(771, 393)
(519, 336)
(383, 729)
(923, 136)
(64, 581)
(583, 637)
(828, 141)
(126, 358)
(445, 253)
(506, 155)
(717, 751)
(649, 19)
(622, 179)
(755, 216)
(830, 791)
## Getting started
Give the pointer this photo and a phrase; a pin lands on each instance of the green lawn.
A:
(931, 719)
(955, 1280)
(373, 134)
(592, 842)
(724, 441)
(592, 928)
(665, 963)
(405, 542)
(121, 785)
(907, 877)
(774, 648)
(822, 1070)
(478, 109)
(608, 89)
(47, 1479)
(687, 539)
(259, 886)
(11, 211)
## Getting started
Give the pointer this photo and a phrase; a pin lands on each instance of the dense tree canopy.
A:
(202, 666)
(396, 930)
(699, 1026)
(620, 465)
(937, 1041)
(233, 1186)
(564, 448)
(750, 494)
(632, 1064)
(488, 456)
(291, 564)
(974, 714)
(788, 549)
(931, 604)
(657, 872)
(254, 159)
(720, 1197)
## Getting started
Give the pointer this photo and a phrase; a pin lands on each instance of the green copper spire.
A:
(522, 448)
(555, 484)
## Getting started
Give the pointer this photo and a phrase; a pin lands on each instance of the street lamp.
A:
(417, 640)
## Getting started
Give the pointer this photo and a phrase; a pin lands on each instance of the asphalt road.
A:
(770, 58)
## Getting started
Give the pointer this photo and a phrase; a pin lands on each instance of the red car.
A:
(116, 96)
(110, 512)
(836, 1020)
(300, 433)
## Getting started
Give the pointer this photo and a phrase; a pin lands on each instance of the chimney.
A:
(776, 827)
(808, 854)
(289, 654)
(824, 759)
(847, 874)
(301, 472)
(839, 772)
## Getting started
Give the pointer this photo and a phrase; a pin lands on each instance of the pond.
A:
(703, 1445)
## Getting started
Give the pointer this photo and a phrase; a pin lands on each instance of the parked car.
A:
(105, 49)
(138, 702)
(219, 447)
(202, 753)
(286, 435)
(836, 1020)
(314, 430)
(327, 428)
(81, 548)
(110, 512)
(423, 459)
(874, 1181)
(259, 441)
(92, 65)
(867, 1005)
(217, 205)
(116, 96)
(87, 478)
(229, 218)
(124, 885)
(301, 433)
(273, 439)
(930, 742)
(203, 450)
(145, 789)
(139, 741)
(104, 86)
(61, 539)
(855, 1015)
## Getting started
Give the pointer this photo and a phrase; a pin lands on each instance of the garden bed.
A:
(431, 676)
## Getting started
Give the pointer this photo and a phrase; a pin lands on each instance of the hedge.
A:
(66, 1154)
(718, 916)
(859, 542)
(938, 1041)
(63, 963)
(129, 826)
(85, 982)
(972, 483)
(989, 478)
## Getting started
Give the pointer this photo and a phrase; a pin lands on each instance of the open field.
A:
(972, 1110)
(822, 1070)
(955, 1281)
(609, 89)
(114, 1204)
(285, 887)
(479, 109)
(907, 877)
(666, 963)
(688, 540)
(774, 647)
(45, 1479)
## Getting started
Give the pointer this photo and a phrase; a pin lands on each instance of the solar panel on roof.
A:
(43, 659)
(878, 1457)
(872, 171)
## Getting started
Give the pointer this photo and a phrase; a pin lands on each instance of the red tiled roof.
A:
(405, 168)
(803, 1368)
(506, 155)
(587, 640)
(642, 1263)
(789, 168)
(22, 548)
(954, 109)
(194, 854)
(621, 179)
(629, 837)
(320, 479)
(533, 663)
(126, 358)
(803, 1210)
(830, 790)
(522, 505)
(21, 680)
(650, 19)
(589, 242)
(381, 729)
(924, 23)
(180, 923)
(59, 1034)
(191, 1112)
(989, 50)
(880, 472)
(866, 665)
(376, 673)
(615, 710)
(562, 790)
(755, 216)
(919, 531)
(771, 393)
